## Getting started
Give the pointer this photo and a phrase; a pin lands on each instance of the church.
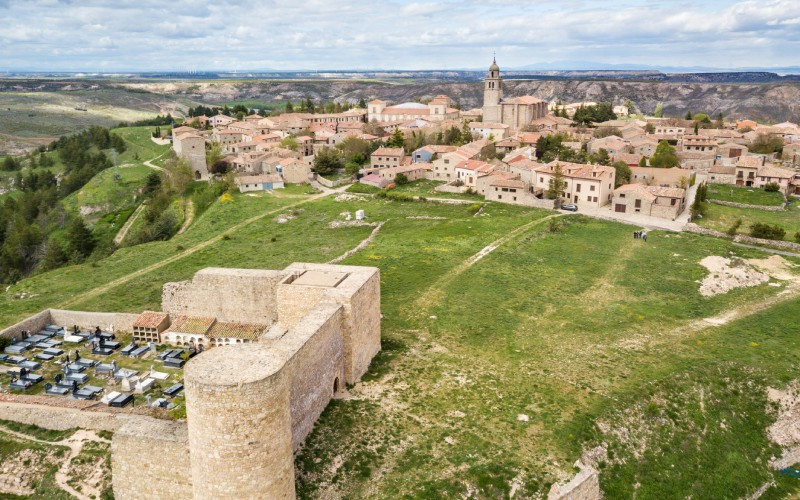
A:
(517, 112)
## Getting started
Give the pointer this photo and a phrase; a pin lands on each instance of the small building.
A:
(294, 171)
(664, 177)
(413, 172)
(656, 201)
(746, 169)
(486, 130)
(375, 180)
(248, 183)
(387, 157)
(426, 154)
(149, 326)
(775, 175)
(721, 174)
(612, 144)
(468, 171)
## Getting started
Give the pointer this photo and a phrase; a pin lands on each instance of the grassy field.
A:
(496, 374)
(739, 194)
(720, 218)
(421, 187)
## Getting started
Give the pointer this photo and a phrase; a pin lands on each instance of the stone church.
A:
(517, 112)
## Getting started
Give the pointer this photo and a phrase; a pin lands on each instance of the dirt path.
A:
(75, 444)
(187, 221)
(128, 223)
(149, 164)
(186, 253)
(366, 241)
(430, 295)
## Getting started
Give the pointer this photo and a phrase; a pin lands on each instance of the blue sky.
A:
(145, 35)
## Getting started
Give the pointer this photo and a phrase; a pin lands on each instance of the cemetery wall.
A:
(150, 459)
(31, 324)
(237, 402)
(58, 418)
(121, 322)
(230, 295)
(314, 348)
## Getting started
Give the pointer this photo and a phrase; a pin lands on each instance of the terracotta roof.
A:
(389, 152)
(750, 161)
(721, 169)
(188, 135)
(512, 183)
(582, 171)
(192, 324)
(150, 319)
(780, 173)
(235, 331)
(652, 192)
(476, 165)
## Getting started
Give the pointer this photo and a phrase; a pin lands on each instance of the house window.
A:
(499, 196)
(591, 188)
(588, 198)
(672, 201)
(622, 195)
(577, 188)
(638, 204)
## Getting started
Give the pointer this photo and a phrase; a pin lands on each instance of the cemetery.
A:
(236, 368)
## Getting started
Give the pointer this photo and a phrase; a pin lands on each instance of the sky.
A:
(243, 35)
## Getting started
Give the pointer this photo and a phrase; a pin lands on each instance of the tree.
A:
(466, 133)
(397, 140)
(556, 185)
(213, 154)
(688, 115)
(601, 132)
(401, 179)
(630, 106)
(362, 103)
(289, 106)
(9, 165)
(696, 128)
(623, 173)
(152, 184)
(79, 238)
(767, 231)
(327, 161)
(767, 144)
(659, 111)
(665, 156)
(289, 143)
(179, 174)
(649, 128)
(643, 162)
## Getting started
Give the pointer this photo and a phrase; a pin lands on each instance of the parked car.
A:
(570, 207)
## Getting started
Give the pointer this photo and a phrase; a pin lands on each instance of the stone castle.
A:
(249, 405)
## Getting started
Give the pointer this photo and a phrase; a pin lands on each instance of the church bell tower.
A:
(492, 94)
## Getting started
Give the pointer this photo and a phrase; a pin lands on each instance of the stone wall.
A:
(121, 322)
(58, 417)
(150, 459)
(448, 188)
(31, 324)
(315, 352)
(362, 327)
(235, 295)
(294, 302)
(584, 486)
(768, 208)
(332, 184)
(742, 238)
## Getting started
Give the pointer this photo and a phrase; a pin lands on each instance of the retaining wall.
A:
(742, 238)
(332, 184)
(769, 208)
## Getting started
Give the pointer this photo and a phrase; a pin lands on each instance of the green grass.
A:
(426, 188)
(720, 218)
(739, 194)
(37, 432)
(363, 188)
(582, 329)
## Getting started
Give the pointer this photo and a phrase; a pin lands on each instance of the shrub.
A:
(399, 197)
(469, 191)
(797, 236)
(772, 187)
(554, 226)
(475, 208)
(767, 231)
(401, 179)
(734, 227)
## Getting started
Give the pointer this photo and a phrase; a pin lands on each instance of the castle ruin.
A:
(249, 405)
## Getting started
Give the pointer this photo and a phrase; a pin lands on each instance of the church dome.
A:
(494, 66)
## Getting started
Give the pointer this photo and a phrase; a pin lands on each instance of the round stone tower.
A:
(240, 434)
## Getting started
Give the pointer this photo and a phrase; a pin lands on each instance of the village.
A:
(521, 150)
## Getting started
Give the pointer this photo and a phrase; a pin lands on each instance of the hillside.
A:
(497, 372)
(764, 102)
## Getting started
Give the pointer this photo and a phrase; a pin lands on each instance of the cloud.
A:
(71, 35)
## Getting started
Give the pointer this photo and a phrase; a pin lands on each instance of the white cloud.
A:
(342, 34)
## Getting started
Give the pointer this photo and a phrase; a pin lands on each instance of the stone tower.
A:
(240, 431)
(492, 94)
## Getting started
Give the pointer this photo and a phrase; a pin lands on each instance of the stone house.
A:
(444, 168)
(613, 144)
(468, 171)
(387, 157)
(722, 174)
(485, 130)
(590, 185)
(699, 144)
(220, 120)
(644, 145)
(294, 171)
(426, 154)
(413, 172)
(509, 190)
(265, 182)
(656, 201)
(664, 177)
(746, 169)
(483, 183)
(769, 174)
(192, 147)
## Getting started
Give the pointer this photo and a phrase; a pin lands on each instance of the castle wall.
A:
(122, 322)
(294, 302)
(57, 417)
(237, 402)
(230, 295)
(150, 459)
(362, 332)
(315, 350)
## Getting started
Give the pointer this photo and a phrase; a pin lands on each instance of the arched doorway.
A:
(335, 385)
(197, 175)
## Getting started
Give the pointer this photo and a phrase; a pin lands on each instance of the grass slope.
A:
(740, 194)
(720, 218)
